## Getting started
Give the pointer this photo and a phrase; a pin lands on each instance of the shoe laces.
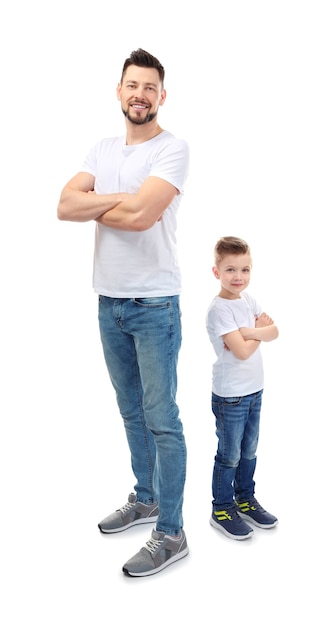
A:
(153, 544)
(127, 507)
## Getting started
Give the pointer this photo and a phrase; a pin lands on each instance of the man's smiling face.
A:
(140, 93)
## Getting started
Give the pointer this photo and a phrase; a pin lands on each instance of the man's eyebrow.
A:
(136, 82)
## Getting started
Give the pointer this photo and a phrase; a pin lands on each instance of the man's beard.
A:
(139, 121)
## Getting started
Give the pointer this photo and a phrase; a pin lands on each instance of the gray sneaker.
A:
(159, 552)
(130, 514)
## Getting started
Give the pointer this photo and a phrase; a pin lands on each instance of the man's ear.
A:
(162, 97)
(118, 91)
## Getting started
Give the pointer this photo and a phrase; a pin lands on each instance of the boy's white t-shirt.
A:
(138, 264)
(233, 377)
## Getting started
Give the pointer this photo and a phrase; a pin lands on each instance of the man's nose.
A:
(139, 92)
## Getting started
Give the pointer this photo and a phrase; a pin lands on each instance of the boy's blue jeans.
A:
(141, 340)
(237, 429)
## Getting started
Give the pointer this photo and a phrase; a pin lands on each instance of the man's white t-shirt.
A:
(233, 377)
(138, 264)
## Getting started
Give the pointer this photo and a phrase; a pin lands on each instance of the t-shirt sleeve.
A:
(172, 163)
(222, 321)
(89, 164)
(253, 304)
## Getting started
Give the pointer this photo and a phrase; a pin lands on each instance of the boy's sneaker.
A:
(159, 552)
(252, 511)
(130, 514)
(230, 523)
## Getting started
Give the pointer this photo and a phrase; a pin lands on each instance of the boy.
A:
(236, 325)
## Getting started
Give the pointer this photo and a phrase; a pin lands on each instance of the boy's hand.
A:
(263, 320)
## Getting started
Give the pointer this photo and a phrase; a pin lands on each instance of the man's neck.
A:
(140, 133)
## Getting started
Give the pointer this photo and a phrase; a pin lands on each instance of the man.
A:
(132, 187)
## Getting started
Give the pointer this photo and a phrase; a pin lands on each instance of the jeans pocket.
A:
(158, 302)
(232, 401)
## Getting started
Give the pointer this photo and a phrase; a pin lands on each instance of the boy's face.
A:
(233, 272)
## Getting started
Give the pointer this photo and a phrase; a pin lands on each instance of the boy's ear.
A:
(215, 271)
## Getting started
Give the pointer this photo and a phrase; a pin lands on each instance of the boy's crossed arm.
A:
(245, 341)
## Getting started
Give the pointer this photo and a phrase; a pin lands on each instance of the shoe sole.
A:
(141, 520)
(173, 559)
(230, 535)
(248, 518)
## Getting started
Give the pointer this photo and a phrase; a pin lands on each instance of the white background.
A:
(251, 86)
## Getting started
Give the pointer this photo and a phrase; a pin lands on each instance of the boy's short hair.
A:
(230, 245)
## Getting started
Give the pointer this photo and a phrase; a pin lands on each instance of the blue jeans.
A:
(237, 429)
(141, 340)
